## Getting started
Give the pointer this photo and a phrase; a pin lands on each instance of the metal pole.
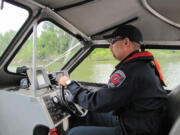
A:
(34, 83)
(1, 4)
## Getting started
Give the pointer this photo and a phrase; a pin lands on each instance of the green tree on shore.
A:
(5, 39)
(53, 42)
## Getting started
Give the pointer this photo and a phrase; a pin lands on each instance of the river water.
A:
(99, 71)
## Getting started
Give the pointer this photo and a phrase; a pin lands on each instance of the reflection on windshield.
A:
(63, 56)
(54, 48)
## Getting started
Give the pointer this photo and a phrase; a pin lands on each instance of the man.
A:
(135, 89)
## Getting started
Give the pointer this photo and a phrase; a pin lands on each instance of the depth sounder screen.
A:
(42, 78)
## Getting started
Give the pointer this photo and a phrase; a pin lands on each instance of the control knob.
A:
(55, 100)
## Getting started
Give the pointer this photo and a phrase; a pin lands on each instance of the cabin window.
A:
(100, 63)
(54, 48)
(96, 68)
(11, 20)
(169, 61)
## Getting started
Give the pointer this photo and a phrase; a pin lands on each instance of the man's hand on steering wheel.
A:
(63, 79)
(66, 96)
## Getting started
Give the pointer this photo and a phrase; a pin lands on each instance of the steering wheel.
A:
(66, 101)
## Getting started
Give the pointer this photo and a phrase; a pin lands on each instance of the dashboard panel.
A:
(56, 112)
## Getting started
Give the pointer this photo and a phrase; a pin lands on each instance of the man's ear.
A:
(126, 41)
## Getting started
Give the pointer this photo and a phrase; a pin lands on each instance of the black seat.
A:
(173, 112)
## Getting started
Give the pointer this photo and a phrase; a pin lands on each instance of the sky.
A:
(11, 17)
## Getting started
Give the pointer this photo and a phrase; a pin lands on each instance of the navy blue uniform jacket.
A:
(134, 92)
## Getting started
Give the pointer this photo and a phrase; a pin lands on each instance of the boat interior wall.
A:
(60, 3)
(151, 26)
(153, 29)
(96, 17)
(9, 80)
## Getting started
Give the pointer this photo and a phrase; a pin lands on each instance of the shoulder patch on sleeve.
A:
(116, 79)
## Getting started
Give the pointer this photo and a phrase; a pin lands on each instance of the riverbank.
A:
(106, 55)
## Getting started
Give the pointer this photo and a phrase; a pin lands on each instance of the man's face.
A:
(118, 49)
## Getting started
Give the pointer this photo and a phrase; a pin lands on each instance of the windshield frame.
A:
(29, 11)
(81, 45)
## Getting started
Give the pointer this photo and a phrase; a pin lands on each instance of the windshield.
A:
(11, 20)
(54, 48)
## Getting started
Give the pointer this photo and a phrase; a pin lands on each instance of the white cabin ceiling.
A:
(94, 16)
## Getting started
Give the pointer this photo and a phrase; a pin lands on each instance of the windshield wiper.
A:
(1, 4)
(62, 56)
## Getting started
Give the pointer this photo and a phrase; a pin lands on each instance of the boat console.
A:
(50, 105)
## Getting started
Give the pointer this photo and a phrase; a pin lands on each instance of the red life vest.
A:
(146, 54)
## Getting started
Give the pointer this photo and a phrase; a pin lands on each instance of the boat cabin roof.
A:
(158, 20)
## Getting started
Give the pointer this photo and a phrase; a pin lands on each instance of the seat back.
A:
(173, 111)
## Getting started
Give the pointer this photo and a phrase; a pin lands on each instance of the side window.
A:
(170, 66)
(54, 48)
(100, 63)
(11, 19)
(97, 67)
